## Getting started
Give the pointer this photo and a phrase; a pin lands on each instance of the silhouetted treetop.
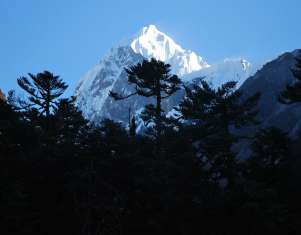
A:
(43, 89)
(150, 78)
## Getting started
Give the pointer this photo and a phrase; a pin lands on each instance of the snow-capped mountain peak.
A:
(152, 43)
(230, 69)
(93, 90)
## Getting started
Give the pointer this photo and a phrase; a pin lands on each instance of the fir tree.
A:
(152, 79)
(133, 127)
(270, 153)
(114, 137)
(70, 125)
(265, 182)
(43, 89)
(132, 124)
(214, 112)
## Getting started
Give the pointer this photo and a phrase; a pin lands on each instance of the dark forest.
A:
(181, 174)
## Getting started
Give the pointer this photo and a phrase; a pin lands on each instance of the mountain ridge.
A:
(93, 90)
(270, 81)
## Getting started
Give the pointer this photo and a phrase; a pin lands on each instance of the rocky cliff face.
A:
(2, 96)
(270, 82)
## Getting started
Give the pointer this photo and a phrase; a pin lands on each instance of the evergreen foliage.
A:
(79, 178)
(216, 113)
(43, 90)
(152, 79)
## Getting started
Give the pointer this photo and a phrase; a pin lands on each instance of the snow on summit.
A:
(151, 43)
(92, 93)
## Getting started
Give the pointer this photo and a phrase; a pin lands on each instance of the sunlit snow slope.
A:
(93, 90)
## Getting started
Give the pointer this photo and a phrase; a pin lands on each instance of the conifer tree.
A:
(292, 93)
(132, 124)
(214, 112)
(133, 127)
(113, 136)
(43, 89)
(70, 125)
(270, 149)
(152, 79)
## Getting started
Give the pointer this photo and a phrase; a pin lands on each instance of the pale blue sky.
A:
(68, 37)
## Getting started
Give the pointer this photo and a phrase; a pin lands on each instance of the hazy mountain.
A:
(227, 70)
(270, 82)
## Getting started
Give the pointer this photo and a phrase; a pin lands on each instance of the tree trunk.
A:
(47, 106)
(48, 100)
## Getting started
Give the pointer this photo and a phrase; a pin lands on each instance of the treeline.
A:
(185, 174)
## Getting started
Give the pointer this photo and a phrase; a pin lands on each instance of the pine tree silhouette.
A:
(152, 79)
(213, 112)
(70, 125)
(43, 89)
(133, 127)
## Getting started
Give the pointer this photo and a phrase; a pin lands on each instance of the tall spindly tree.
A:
(152, 79)
(43, 89)
(292, 93)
